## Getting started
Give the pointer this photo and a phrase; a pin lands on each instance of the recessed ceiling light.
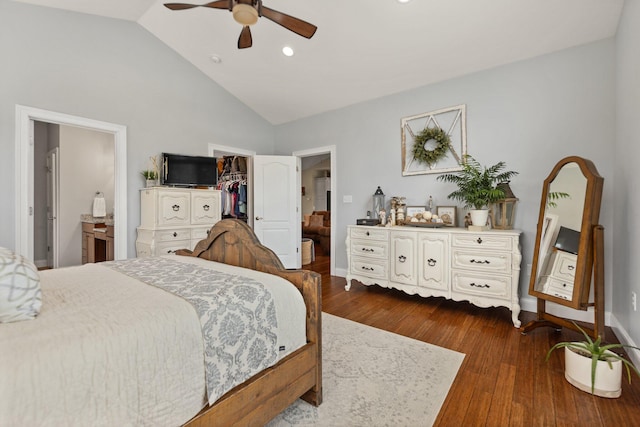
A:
(215, 59)
(404, 1)
(287, 50)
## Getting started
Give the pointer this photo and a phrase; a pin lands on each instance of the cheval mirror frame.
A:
(589, 257)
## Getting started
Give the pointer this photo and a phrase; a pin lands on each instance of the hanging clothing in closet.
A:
(232, 184)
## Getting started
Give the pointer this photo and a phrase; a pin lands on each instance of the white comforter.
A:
(107, 349)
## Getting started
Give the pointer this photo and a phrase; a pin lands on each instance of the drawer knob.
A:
(473, 261)
(402, 258)
(431, 262)
(368, 250)
(367, 233)
(367, 268)
(205, 207)
(175, 208)
(479, 240)
(570, 267)
(479, 286)
(175, 234)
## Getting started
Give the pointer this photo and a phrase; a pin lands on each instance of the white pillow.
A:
(20, 296)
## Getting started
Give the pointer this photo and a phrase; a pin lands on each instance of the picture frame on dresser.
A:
(448, 215)
(412, 210)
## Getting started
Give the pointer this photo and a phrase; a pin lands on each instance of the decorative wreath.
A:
(421, 154)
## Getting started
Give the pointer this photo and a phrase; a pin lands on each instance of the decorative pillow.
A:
(306, 220)
(316, 220)
(20, 296)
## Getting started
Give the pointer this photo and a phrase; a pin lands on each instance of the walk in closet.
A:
(232, 183)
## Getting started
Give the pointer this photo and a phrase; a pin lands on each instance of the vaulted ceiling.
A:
(363, 49)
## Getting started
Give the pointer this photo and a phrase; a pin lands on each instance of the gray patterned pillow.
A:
(20, 296)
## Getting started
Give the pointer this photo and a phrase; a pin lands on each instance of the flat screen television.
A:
(189, 171)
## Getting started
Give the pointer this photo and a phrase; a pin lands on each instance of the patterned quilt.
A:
(237, 316)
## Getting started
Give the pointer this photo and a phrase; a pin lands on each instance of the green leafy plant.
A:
(478, 186)
(596, 351)
(149, 174)
(552, 196)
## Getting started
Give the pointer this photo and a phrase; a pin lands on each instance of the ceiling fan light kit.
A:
(247, 12)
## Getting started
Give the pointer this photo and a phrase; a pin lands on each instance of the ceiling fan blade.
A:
(220, 4)
(296, 25)
(245, 40)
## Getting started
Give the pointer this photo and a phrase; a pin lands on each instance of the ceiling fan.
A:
(247, 12)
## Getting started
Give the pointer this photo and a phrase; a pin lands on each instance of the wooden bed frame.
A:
(266, 394)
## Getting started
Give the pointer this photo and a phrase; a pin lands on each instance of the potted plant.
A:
(151, 175)
(593, 367)
(478, 187)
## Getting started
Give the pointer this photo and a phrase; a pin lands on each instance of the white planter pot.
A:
(479, 216)
(577, 370)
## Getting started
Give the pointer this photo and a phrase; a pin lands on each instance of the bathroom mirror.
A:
(564, 252)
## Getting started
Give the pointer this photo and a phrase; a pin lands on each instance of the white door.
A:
(276, 197)
(52, 207)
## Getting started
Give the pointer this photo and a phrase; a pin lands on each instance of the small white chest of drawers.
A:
(175, 218)
(560, 275)
(480, 267)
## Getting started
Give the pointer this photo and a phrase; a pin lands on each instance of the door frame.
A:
(53, 207)
(331, 150)
(217, 150)
(25, 116)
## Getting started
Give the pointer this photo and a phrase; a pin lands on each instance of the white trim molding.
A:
(331, 150)
(24, 174)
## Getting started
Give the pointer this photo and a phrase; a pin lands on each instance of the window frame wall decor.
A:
(453, 121)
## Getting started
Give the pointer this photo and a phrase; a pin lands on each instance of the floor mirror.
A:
(569, 246)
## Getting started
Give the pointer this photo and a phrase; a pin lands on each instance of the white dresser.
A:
(175, 218)
(560, 275)
(480, 267)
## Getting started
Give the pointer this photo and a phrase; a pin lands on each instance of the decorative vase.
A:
(479, 216)
(577, 370)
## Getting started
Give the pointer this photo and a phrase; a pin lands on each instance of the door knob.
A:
(258, 218)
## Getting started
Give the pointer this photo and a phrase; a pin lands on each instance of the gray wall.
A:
(87, 163)
(626, 251)
(113, 71)
(529, 114)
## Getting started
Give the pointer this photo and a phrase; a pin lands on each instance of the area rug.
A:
(373, 377)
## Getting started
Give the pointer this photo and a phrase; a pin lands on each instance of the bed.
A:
(50, 376)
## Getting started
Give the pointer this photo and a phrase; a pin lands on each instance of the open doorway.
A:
(79, 164)
(318, 179)
(25, 174)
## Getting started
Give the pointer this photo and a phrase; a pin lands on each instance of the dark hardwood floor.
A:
(504, 379)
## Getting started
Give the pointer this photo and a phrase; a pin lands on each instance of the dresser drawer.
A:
(165, 248)
(481, 285)
(490, 262)
(479, 240)
(558, 288)
(370, 268)
(369, 233)
(200, 233)
(173, 208)
(370, 248)
(173, 235)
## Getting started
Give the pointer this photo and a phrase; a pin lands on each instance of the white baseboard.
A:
(530, 303)
(624, 338)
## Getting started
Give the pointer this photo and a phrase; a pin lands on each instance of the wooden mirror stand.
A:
(569, 248)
